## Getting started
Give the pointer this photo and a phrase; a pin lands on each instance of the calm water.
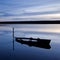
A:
(12, 50)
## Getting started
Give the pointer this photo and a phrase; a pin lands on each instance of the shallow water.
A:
(12, 50)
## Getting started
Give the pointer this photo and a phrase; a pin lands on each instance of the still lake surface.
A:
(12, 50)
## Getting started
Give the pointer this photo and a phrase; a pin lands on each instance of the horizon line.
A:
(31, 22)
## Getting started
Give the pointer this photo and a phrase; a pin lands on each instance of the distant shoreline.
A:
(30, 22)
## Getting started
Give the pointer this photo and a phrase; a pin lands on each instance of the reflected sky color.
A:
(53, 28)
(20, 10)
(50, 31)
(10, 50)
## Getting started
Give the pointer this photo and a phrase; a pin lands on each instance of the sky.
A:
(29, 10)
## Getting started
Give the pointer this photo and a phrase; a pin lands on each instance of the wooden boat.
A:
(46, 41)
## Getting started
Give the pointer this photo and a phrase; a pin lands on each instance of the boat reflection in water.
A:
(36, 42)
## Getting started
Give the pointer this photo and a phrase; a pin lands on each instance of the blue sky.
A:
(20, 10)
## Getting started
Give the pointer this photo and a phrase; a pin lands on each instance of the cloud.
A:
(55, 16)
(1, 14)
(30, 10)
(52, 7)
(35, 9)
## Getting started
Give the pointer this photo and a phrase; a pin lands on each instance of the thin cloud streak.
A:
(29, 10)
(36, 17)
(34, 9)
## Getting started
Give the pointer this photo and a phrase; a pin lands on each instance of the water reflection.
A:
(13, 37)
(41, 43)
(26, 52)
